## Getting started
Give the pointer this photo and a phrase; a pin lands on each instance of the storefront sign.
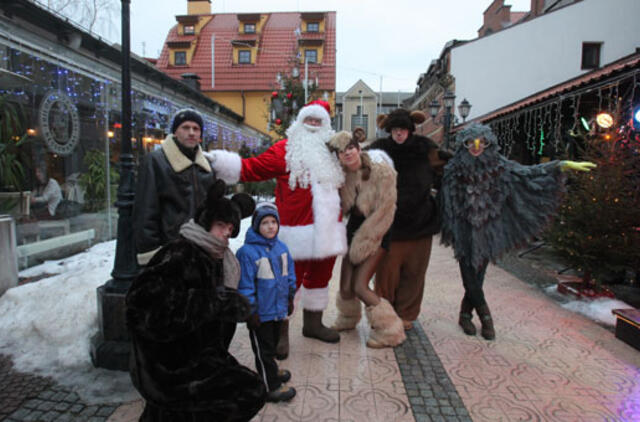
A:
(60, 123)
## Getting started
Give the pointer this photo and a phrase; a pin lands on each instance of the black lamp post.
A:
(448, 119)
(110, 346)
(464, 108)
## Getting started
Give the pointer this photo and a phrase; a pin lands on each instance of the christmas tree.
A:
(598, 226)
(287, 99)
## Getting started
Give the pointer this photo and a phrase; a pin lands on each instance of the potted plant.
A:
(12, 170)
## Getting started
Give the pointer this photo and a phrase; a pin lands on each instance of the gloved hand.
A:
(290, 309)
(577, 165)
(253, 322)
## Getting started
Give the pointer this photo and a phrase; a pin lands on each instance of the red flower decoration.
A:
(274, 94)
(289, 95)
(278, 122)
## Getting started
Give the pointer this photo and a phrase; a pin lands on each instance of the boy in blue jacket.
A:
(268, 281)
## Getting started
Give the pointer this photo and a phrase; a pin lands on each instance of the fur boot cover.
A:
(349, 313)
(386, 326)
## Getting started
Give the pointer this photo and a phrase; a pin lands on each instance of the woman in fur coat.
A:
(178, 313)
(368, 197)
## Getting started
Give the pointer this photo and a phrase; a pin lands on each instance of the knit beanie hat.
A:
(218, 208)
(264, 209)
(187, 114)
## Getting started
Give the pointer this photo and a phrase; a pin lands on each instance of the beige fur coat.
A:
(376, 200)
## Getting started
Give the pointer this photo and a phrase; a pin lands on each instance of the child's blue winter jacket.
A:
(268, 278)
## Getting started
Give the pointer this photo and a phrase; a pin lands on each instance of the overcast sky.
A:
(396, 40)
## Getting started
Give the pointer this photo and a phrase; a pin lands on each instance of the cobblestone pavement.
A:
(432, 395)
(27, 397)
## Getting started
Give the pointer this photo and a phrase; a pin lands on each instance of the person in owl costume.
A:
(491, 205)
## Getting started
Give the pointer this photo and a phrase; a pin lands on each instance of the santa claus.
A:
(307, 177)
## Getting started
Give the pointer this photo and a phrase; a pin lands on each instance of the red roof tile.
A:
(278, 44)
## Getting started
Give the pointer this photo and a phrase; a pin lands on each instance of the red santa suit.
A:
(310, 220)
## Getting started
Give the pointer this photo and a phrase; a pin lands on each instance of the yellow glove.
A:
(577, 165)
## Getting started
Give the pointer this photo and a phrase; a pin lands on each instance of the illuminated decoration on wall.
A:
(560, 117)
(604, 120)
(60, 123)
(635, 120)
(97, 101)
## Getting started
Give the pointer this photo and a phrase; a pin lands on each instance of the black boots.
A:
(312, 327)
(487, 331)
(282, 349)
(283, 393)
(466, 309)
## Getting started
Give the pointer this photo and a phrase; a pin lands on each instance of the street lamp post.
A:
(360, 114)
(110, 346)
(448, 119)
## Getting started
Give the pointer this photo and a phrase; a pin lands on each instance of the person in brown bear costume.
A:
(401, 273)
(368, 197)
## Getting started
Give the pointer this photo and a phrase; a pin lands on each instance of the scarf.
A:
(218, 249)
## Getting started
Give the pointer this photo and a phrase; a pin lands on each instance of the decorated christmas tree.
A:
(598, 226)
(287, 98)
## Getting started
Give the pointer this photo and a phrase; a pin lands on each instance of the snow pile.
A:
(47, 326)
(598, 310)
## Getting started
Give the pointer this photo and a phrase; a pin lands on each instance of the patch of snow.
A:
(46, 326)
(598, 310)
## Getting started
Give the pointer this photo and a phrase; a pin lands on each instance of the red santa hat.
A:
(319, 109)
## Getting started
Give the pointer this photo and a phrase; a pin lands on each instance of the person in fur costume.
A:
(177, 310)
(400, 276)
(490, 205)
(368, 197)
(307, 177)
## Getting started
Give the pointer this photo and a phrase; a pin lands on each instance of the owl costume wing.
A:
(491, 205)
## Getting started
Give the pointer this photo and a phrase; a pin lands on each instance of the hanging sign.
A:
(59, 123)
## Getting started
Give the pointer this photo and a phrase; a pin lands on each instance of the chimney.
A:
(198, 7)
(537, 6)
(192, 80)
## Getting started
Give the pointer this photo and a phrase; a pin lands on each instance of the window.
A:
(189, 30)
(361, 121)
(244, 56)
(313, 27)
(180, 58)
(249, 28)
(311, 56)
(591, 55)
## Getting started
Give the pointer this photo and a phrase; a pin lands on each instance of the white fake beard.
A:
(309, 159)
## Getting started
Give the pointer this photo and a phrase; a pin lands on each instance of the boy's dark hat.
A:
(264, 209)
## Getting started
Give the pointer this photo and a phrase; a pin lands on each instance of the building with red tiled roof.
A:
(236, 58)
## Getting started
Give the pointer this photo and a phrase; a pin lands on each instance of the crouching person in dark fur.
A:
(369, 198)
(178, 313)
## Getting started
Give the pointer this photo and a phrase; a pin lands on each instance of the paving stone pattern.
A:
(431, 393)
(27, 397)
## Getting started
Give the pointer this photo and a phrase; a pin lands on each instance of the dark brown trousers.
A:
(400, 276)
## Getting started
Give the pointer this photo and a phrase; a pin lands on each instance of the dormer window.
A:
(249, 28)
(313, 27)
(244, 56)
(180, 58)
(189, 30)
(311, 56)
